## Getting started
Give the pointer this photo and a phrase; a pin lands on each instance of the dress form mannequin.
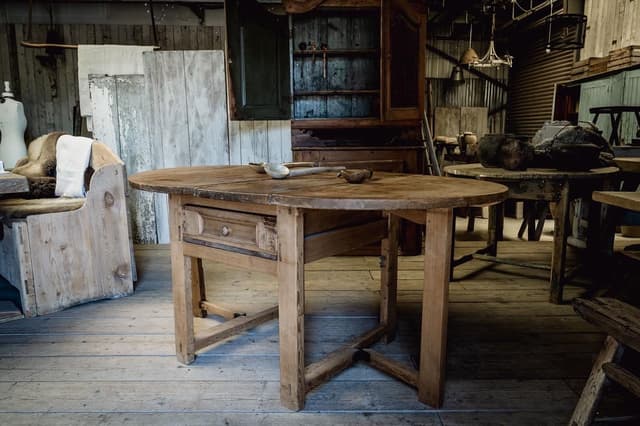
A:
(12, 126)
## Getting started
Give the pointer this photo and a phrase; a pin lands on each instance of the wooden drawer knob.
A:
(226, 231)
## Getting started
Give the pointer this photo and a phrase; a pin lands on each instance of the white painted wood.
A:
(119, 106)
(235, 155)
(206, 107)
(104, 110)
(136, 153)
(612, 24)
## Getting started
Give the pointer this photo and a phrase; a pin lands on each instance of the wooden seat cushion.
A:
(17, 208)
(618, 319)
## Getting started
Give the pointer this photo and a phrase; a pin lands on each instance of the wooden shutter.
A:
(258, 61)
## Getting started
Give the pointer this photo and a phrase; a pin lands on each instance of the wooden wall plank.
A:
(136, 153)
(206, 107)
(104, 110)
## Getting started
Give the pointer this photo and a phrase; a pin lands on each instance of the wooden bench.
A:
(59, 252)
(621, 322)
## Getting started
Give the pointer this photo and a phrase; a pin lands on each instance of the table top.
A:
(477, 170)
(628, 164)
(11, 183)
(614, 109)
(385, 191)
(625, 200)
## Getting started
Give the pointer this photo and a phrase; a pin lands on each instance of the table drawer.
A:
(250, 232)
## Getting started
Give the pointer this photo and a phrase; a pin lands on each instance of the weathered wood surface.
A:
(628, 164)
(625, 200)
(391, 191)
(52, 91)
(480, 172)
(513, 358)
(11, 183)
(118, 109)
(618, 319)
(23, 207)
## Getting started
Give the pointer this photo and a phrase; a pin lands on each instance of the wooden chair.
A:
(59, 252)
(621, 322)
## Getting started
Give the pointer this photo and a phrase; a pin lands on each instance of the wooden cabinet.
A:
(356, 74)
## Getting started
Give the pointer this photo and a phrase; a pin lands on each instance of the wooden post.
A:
(389, 278)
(435, 299)
(181, 275)
(586, 406)
(559, 255)
(291, 306)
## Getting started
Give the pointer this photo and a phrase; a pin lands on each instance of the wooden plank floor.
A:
(513, 358)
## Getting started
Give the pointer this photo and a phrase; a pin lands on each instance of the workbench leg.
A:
(389, 278)
(181, 275)
(586, 407)
(291, 306)
(435, 299)
(559, 254)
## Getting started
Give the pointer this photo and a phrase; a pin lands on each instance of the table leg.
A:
(291, 306)
(435, 298)
(181, 275)
(198, 290)
(389, 278)
(559, 255)
(496, 226)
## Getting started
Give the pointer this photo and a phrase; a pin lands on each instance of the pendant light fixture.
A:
(491, 58)
(470, 55)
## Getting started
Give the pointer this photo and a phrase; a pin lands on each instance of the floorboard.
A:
(513, 358)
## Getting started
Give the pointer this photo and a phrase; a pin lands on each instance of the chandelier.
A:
(491, 58)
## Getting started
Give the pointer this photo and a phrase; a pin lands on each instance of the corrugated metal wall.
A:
(534, 76)
(475, 92)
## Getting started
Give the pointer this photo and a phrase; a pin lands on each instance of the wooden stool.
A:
(621, 322)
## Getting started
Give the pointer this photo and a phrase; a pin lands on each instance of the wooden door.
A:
(403, 47)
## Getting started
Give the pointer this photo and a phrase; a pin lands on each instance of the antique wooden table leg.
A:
(433, 345)
(181, 276)
(559, 255)
(496, 226)
(291, 306)
(389, 279)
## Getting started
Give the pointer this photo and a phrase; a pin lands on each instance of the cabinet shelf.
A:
(334, 52)
(336, 92)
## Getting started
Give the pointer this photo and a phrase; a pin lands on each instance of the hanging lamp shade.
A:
(469, 56)
(457, 76)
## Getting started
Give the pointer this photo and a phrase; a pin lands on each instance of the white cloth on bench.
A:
(72, 159)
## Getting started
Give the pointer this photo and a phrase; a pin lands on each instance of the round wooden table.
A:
(235, 216)
(551, 185)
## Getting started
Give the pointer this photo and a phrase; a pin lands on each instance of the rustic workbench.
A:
(238, 217)
(551, 185)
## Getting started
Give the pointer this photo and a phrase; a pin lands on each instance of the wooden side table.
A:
(238, 217)
(550, 185)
